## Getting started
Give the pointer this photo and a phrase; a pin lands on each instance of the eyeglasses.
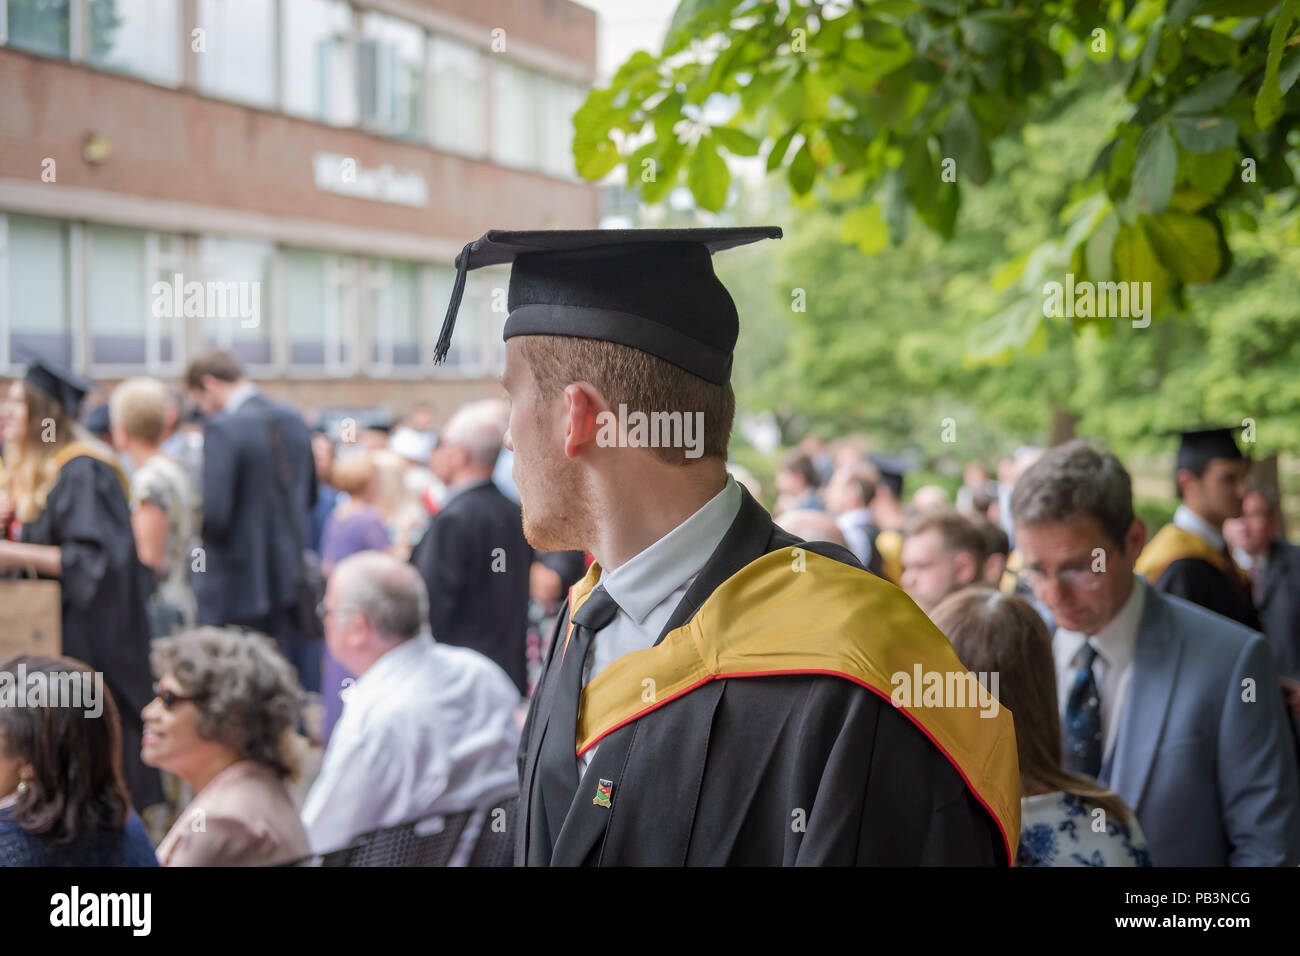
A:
(169, 698)
(323, 612)
(1073, 579)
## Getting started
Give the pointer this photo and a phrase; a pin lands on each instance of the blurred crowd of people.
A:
(207, 538)
(1126, 658)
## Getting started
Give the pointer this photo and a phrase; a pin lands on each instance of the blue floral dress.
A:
(1061, 829)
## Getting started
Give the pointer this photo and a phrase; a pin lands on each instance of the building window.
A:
(322, 311)
(394, 314)
(34, 309)
(516, 115)
(134, 303)
(392, 73)
(458, 97)
(238, 60)
(138, 37)
(249, 265)
(39, 26)
(560, 100)
(319, 62)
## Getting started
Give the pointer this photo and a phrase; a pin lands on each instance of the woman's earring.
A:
(22, 786)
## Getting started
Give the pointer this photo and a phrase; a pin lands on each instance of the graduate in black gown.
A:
(1188, 557)
(716, 691)
(77, 529)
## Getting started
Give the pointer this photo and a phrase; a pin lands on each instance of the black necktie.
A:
(558, 759)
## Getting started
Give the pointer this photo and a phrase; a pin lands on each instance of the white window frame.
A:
(153, 265)
(225, 336)
(380, 341)
(341, 327)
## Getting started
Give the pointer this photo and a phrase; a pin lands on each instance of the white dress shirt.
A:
(428, 728)
(648, 587)
(853, 525)
(1189, 520)
(1113, 665)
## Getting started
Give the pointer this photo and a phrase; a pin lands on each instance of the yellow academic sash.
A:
(794, 611)
(1172, 543)
(890, 545)
(83, 449)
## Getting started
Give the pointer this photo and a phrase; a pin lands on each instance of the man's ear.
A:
(963, 567)
(582, 409)
(1184, 481)
(1136, 538)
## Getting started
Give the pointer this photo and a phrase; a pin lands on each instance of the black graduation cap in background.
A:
(1197, 447)
(63, 385)
(892, 469)
(650, 289)
(97, 420)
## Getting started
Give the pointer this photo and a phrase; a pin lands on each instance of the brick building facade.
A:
(288, 178)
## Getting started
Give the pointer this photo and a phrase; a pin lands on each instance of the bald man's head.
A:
(386, 591)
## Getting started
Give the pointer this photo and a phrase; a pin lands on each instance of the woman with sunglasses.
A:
(222, 720)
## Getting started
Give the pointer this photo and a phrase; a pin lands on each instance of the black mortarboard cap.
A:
(650, 289)
(97, 420)
(892, 469)
(1196, 448)
(63, 385)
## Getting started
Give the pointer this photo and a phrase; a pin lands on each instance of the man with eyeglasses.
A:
(1171, 706)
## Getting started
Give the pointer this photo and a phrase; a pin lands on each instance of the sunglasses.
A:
(169, 698)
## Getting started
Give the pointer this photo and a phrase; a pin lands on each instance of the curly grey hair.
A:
(246, 692)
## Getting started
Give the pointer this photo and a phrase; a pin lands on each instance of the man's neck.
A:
(462, 480)
(1130, 583)
(235, 390)
(1216, 524)
(634, 513)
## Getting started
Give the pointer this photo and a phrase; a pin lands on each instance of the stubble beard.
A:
(555, 503)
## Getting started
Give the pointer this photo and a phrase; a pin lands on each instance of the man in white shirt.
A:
(426, 728)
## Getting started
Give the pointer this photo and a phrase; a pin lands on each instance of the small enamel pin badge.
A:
(604, 790)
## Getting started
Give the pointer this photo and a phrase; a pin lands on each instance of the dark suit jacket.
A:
(252, 566)
(712, 777)
(475, 561)
(1279, 606)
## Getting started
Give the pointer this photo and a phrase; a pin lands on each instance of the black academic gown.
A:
(774, 770)
(104, 589)
(1198, 581)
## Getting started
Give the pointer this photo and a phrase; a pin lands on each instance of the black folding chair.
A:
(495, 844)
(479, 837)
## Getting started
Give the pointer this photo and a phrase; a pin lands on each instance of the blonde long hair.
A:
(1000, 633)
(31, 454)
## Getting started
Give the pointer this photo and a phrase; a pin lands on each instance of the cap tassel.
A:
(457, 292)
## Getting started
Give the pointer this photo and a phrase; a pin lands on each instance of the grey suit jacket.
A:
(1211, 776)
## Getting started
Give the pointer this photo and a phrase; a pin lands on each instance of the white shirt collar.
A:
(241, 394)
(1189, 520)
(645, 581)
(1116, 639)
(856, 517)
(395, 660)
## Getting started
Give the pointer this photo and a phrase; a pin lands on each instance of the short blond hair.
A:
(639, 380)
(352, 475)
(139, 406)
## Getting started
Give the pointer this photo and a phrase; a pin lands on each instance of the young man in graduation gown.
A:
(1188, 557)
(717, 691)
